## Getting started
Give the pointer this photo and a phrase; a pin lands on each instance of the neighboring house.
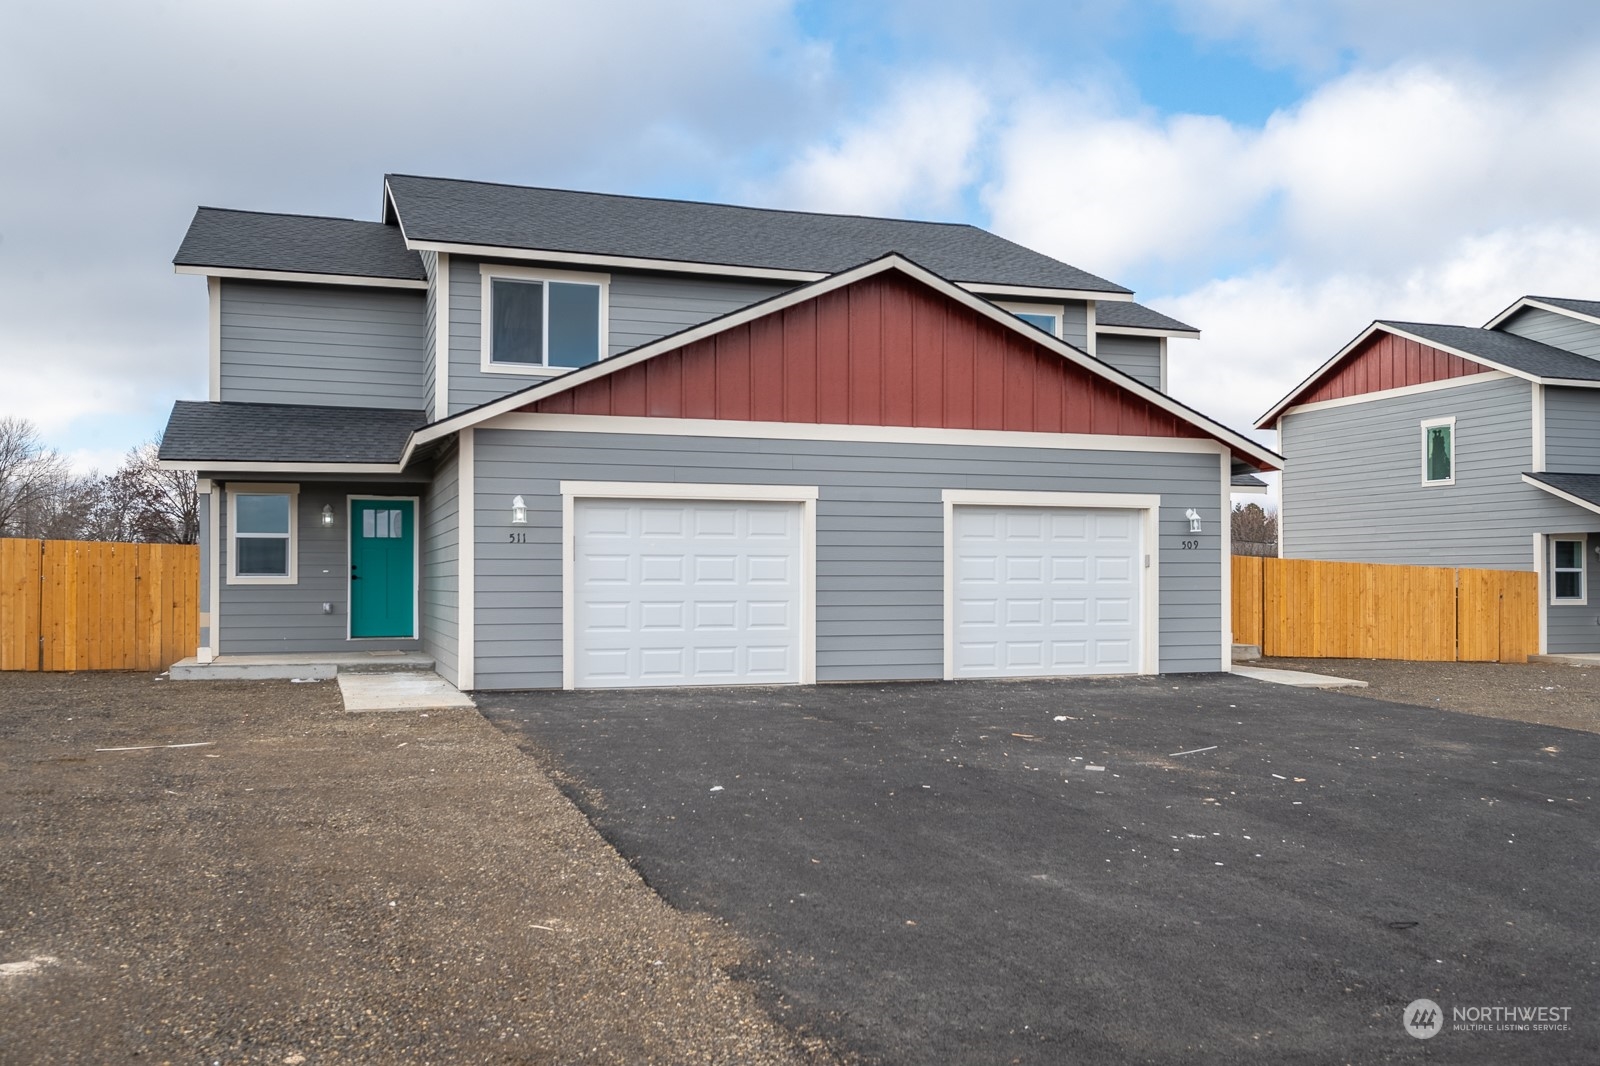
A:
(561, 439)
(1455, 446)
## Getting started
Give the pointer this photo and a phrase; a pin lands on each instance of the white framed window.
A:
(1044, 316)
(542, 322)
(263, 523)
(1568, 581)
(1439, 451)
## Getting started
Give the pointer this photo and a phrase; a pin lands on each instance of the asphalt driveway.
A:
(941, 873)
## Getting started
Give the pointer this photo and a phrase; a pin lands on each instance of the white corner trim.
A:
(416, 564)
(441, 334)
(805, 495)
(1090, 328)
(1403, 390)
(1225, 547)
(714, 427)
(214, 634)
(488, 272)
(214, 337)
(1544, 604)
(1540, 440)
(1069, 352)
(302, 278)
(467, 562)
(1149, 504)
(264, 488)
(1455, 451)
(1560, 495)
(1163, 379)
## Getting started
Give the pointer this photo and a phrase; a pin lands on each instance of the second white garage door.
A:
(686, 592)
(1041, 591)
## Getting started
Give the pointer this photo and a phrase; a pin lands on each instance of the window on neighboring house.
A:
(262, 522)
(542, 321)
(1439, 451)
(1566, 570)
(1045, 316)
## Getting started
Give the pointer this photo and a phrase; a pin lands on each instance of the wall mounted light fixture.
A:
(327, 514)
(519, 511)
(1194, 520)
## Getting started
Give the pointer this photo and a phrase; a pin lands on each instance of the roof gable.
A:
(882, 351)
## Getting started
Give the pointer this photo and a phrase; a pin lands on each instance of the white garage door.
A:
(686, 592)
(1046, 590)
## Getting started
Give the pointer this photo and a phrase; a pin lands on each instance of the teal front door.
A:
(383, 537)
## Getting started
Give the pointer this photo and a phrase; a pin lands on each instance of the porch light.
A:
(327, 514)
(1194, 520)
(519, 511)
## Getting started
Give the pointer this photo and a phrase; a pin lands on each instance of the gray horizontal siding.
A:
(880, 538)
(1136, 356)
(1075, 324)
(1352, 487)
(1572, 430)
(288, 619)
(643, 308)
(1560, 331)
(322, 344)
(441, 559)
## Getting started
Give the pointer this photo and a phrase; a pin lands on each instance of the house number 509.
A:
(1190, 545)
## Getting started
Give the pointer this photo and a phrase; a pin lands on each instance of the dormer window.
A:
(542, 321)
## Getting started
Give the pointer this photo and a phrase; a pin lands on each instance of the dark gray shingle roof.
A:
(1583, 486)
(514, 216)
(1247, 481)
(304, 244)
(1507, 349)
(286, 433)
(1583, 307)
(1135, 316)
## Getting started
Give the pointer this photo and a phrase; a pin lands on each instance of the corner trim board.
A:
(467, 563)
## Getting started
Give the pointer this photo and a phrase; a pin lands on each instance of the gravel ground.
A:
(315, 886)
(1545, 694)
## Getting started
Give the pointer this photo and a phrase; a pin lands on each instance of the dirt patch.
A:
(1546, 694)
(314, 886)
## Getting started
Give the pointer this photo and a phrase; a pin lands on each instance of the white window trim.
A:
(416, 565)
(805, 495)
(1582, 541)
(1059, 310)
(1455, 453)
(488, 272)
(264, 489)
(1149, 545)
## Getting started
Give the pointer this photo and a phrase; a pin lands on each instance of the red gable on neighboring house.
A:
(884, 351)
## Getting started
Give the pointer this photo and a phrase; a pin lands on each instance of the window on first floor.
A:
(1439, 451)
(535, 322)
(262, 521)
(1567, 570)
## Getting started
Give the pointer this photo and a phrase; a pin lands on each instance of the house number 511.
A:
(519, 538)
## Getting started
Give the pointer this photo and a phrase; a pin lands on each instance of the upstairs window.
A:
(1566, 571)
(1045, 316)
(535, 322)
(1439, 451)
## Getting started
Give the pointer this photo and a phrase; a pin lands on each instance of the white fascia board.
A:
(1008, 498)
(1529, 301)
(1569, 497)
(491, 251)
(1403, 390)
(284, 468)
(1005, 319)
(1142, 331)
(1247, 490)
(302, 278)
(818, 431)
(984, 288)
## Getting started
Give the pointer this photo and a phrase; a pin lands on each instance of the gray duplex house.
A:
(1444, 445)
(563, 439)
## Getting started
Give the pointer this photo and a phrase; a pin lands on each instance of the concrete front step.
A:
(1569, 659)
(311, 667)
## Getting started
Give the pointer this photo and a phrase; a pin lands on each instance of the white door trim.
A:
(805, 495)
(1150, 546)
(416, 565)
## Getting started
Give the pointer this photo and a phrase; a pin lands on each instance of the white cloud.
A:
(915, 154)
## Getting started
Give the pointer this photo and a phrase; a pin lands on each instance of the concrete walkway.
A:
(315, 666)
(409, 691)
(1296, 678)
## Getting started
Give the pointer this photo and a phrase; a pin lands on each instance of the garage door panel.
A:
(1045, 590)
(675, 592)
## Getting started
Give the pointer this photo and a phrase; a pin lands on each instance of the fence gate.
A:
(86, 605)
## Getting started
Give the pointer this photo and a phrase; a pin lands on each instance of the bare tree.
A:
(1255, 530)
(31, 475)
(167, 509)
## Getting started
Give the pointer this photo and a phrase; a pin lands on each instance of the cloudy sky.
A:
(1275, 172)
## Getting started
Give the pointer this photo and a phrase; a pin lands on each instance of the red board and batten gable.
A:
(882, 351)
(1383, 361)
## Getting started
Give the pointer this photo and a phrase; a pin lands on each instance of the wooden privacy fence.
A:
(1309, 608)
(84, 605)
